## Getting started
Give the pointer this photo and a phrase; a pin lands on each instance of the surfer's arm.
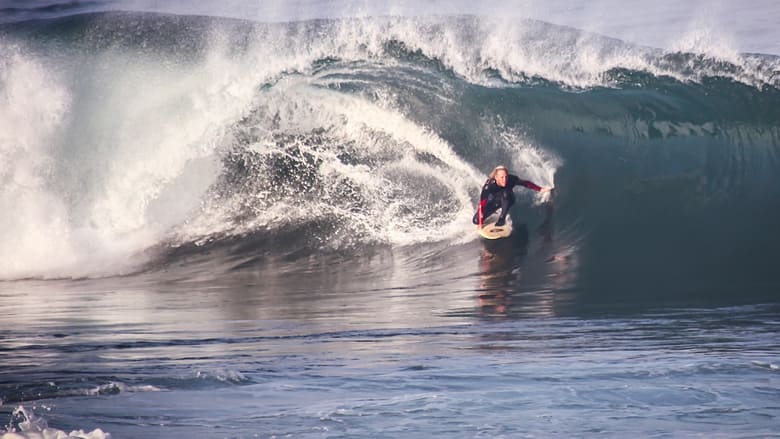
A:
(517, 181)
(530, 185)
(536, 187)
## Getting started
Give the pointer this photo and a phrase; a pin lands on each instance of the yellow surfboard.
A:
(490, 231)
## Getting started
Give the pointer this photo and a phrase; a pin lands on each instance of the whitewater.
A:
(254, 219)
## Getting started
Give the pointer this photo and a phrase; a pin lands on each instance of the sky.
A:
(735, 25)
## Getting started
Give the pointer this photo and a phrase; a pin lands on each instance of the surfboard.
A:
(491, 231)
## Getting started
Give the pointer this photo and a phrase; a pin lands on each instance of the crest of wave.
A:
(523, 50)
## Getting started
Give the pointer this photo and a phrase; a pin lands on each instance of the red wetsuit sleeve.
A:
(516, 181)
(530, 185)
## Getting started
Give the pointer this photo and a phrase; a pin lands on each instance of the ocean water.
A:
(254, 219)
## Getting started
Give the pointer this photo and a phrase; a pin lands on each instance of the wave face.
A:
(131, 140)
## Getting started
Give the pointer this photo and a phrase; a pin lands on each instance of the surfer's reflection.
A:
(500, 263)
(493, 297)
(506, 269)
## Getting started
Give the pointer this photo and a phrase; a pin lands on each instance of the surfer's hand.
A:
(546, 189)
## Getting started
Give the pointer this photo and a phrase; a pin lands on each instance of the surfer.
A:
(497, 194)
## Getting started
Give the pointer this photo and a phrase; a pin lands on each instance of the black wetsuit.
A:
(494, 197)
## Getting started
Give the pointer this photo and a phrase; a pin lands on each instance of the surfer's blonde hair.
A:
(496, 169)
